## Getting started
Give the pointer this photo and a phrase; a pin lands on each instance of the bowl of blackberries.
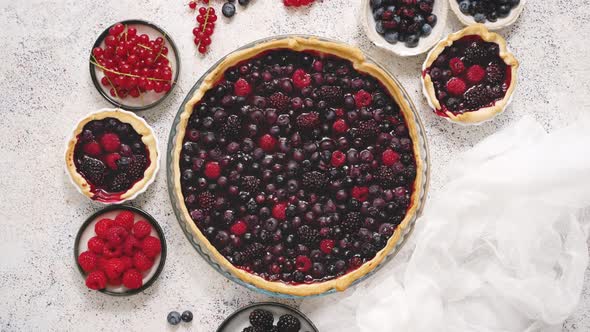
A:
(404, 27)
(494, 14)
(267, 317)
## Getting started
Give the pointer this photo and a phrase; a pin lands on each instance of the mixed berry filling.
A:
(296, 167)
(469, 75)
(111, 157)
(405, 21)
(487, 10)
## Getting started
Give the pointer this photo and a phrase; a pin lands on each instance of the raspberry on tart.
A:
(470, 76)
(112, 156)
(298, 205)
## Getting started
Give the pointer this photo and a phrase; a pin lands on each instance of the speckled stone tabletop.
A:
(45, 87)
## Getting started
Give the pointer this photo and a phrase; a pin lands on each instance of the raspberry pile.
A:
(133, 64)
(297, 3)
(120, 253)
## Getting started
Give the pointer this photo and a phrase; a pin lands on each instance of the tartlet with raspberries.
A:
(297, 165)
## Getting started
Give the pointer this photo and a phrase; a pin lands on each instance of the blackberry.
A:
(308, 120)
(494, 73)
(288, 323)
(352, 222)
(314, 180)
(252, 329)
(476, 97)
(93, 169)
(261, 318)
(279, 101)
(475, 53)
(231, 128)
(386, 176)
(368, 129)
(205, 200)
(250, 184)
(330, 94)
(253, 251)
(308, 235)
(137, 167)
(119, 183)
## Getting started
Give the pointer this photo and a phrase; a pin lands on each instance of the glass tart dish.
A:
(266, 315)
(112, 156)
(470, 76)
(296, 166)
(134, 64)
(112, 250)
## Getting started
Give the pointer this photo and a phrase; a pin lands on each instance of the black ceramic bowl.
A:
(87, 231)
(238, 320)
(147, 99)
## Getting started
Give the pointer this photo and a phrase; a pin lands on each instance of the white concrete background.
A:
(45, 87)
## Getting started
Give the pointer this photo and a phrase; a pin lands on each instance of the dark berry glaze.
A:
(475, 66)
(296, 167)
(111, 156)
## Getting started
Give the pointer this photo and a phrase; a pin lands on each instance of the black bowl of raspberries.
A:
(494, 14)
(134, 64)
(267, 317)
(404, 27)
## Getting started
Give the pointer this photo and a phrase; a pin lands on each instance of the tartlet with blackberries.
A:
(470, 76)
(112, 156)
(297, 163)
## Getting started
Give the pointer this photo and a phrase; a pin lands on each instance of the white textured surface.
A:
(46, 86)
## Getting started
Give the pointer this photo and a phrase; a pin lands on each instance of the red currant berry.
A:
(131, 32)
(202, 10)
(192, 5)
(97, 52)
(105, 81)
(206, 41)
(110, 41)
(202, 49)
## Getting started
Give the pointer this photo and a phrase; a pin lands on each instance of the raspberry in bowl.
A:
(120, 250)
(470, 76)
(297, 166)
(134, 64)
(112, 156)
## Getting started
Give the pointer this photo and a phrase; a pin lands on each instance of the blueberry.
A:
(464, 6)
(391, 37)
(376, 3)
(426, 30)
(379, 28)
(492, 16)
(479, 18)
(412, 41)
(187, 316)
(377, 14)
(244, 2)
(174, 318)
(228, 9)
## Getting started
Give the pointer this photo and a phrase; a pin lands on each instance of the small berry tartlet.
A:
(267, 316)
(297, 163)
(120, 250)
(112, 156)
(470, 76)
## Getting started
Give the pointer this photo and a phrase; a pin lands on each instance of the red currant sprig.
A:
(133, 64)
(206, 20)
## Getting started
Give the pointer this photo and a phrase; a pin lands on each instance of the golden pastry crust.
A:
(147, 137)
(360, 64)
(485, 113)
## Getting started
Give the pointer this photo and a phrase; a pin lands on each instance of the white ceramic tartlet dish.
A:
(367, 21)
(499, 24)
(148, 138)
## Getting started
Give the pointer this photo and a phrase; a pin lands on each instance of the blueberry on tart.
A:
(470, 76)
(112, 156)
(296, 162)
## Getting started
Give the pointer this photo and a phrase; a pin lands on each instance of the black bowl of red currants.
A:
(134, 64)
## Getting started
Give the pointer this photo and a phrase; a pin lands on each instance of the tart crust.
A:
(360, 64)
(485, 113)
(147, 137)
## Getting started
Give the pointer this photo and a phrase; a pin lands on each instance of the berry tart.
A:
(297, 164)
(112, 156)
(120, 250)
(470, 76)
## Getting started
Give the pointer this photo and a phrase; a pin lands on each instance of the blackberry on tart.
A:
(112, 156)
(279, 160)
(470, 76)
